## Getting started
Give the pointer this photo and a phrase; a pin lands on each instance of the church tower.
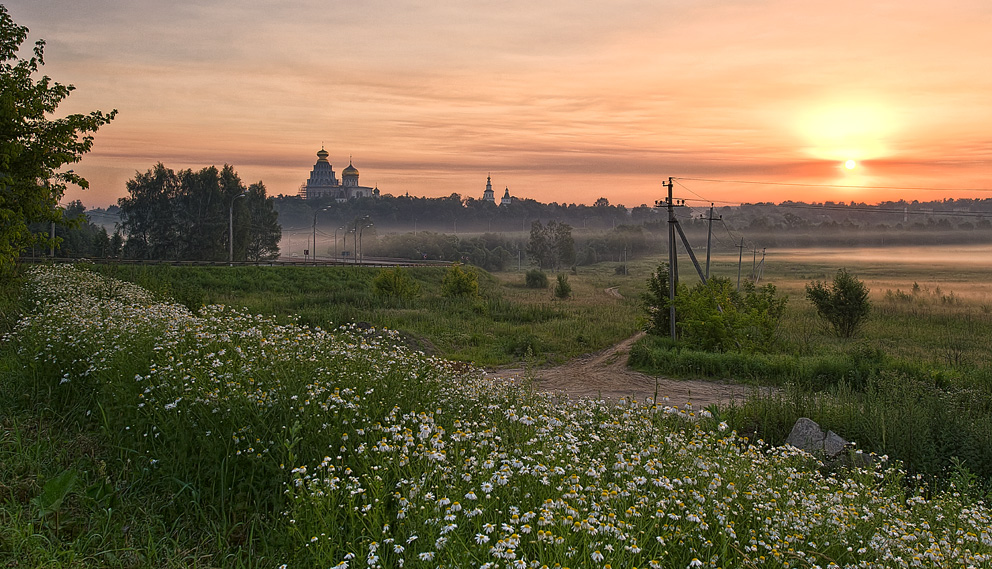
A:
(507, 198)
(488, 195)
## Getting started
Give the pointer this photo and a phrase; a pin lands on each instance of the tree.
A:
(34, 147)
(844, 305)
(551, 246)
(185, 215)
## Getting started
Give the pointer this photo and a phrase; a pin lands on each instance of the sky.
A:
(559, 100)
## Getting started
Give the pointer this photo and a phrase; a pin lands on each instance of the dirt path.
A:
(605, 375)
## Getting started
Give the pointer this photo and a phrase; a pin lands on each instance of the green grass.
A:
(265, 444)
(505, 324)
(914, 383)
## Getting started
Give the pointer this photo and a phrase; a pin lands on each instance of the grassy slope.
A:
(205, 417)
(506, 324)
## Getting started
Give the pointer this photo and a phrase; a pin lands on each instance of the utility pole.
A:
(740, 260)
(673, 266)
(761, 266)
(709, 241)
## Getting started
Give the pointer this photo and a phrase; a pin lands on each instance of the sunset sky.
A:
(561, 101)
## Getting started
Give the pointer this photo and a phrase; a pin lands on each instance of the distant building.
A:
(323, 183)
(507, 198)
(489, 196)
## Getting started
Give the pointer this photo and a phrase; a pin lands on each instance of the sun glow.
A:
(846, 132)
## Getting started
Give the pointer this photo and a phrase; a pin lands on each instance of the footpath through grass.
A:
(267, 444)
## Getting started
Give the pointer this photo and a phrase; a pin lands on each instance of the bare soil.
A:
(605, 375)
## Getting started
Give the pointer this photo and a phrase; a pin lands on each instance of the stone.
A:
(808, 436)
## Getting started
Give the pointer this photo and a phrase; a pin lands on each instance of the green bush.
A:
(395, 283)
(563, 290)
(844, 305)
(536, 278)
(717, 317)
(657, 303)
(459, 282)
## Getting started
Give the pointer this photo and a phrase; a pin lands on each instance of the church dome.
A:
(322, 154)
(350, 171)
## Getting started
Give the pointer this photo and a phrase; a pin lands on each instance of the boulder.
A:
(808, 436)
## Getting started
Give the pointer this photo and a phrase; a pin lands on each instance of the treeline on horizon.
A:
(467, 226)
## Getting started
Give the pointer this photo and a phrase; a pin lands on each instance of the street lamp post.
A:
(230, 228)
(336, 250)
(360, 250)
(315, 232)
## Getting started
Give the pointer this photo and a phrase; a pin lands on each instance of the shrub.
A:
(396, 283)
(536, 278)
(563, 290)
(459, 282)
(656, 302)
(717, 317)
(844, 305)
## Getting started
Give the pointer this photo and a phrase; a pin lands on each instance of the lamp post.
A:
(360, 250)
(336, 250)
(315, 232)
(230, 228)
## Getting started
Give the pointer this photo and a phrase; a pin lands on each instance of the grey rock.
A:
(808, 436)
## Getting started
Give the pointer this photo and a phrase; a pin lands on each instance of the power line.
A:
(805, 185)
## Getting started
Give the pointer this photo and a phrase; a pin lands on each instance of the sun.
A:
(850, 164)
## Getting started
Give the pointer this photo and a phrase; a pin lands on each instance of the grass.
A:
(506, 323)
(914, 384)
(270, 444)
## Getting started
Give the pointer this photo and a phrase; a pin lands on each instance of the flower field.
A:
(350, 451)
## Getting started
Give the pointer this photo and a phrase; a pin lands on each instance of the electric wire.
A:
(857, 186)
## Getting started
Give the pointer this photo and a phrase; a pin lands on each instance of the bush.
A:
(536, 278)
(657, 303)
(459, 282)
(563, 290)
(844, 305)
(396, 283)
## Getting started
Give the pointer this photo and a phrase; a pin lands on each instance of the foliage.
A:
(844, 305)
(78, 237)
(460, 282)
(536, 278)
(33, 147)
(657, 302)
(186, 215)
(395, 283)
(235, 415)
(717, 317)
(563, 290)
(551, 246)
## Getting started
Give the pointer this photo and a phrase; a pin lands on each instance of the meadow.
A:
(138, 432)
(504, 324)
(915, 383)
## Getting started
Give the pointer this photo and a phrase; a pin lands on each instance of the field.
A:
(139, 433)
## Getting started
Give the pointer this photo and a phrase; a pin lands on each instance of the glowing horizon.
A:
(562, 101)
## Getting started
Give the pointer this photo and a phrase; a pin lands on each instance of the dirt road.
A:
(605, 375)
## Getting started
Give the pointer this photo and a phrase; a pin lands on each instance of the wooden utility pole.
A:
(740, 260)
(709, 241)
(673, 263)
